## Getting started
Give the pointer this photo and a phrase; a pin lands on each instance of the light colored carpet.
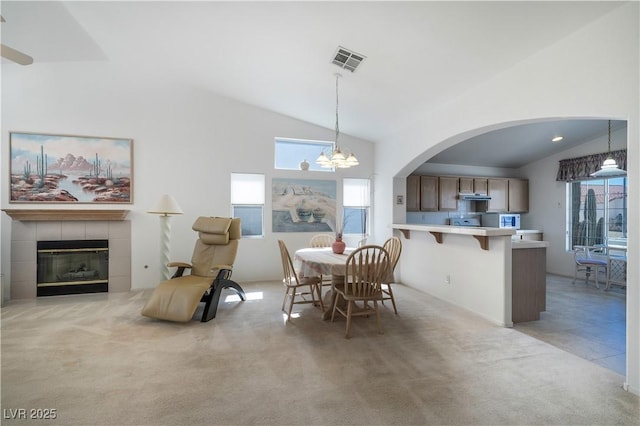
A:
(97, 361)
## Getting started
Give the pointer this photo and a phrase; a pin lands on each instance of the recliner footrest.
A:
(177, 299)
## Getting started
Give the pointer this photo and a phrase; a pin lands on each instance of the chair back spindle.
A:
(321, 240)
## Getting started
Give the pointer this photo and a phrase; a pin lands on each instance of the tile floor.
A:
(584, 321)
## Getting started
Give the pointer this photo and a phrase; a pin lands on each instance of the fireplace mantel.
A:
(57, 215)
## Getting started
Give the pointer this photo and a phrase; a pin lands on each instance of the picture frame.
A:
(51, 168)
(303, 205)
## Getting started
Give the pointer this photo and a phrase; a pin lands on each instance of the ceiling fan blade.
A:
(15, 56)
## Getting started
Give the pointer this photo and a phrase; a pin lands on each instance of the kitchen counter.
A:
(448, 229)
(526, 244)
(480, 233)
(528, 234)
(446, 262)
(504, 283)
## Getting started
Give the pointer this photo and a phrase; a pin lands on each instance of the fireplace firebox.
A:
(72, 267)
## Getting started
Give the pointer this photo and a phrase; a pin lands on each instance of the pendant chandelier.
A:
(609, 168)
(338, 158)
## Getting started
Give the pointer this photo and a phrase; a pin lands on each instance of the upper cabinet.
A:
(428, 193)
(480, 185)
(508, 195)
(497, 189)
(440, 193)
(471, 185)
(447, 193)
(422, 193)
(518, 195)
(413, 193)
(466, 185)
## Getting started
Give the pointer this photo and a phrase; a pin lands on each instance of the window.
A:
(597, 212)
(291, 152)
(355, 201)
(247, 202)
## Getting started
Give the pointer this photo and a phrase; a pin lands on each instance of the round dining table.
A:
(318, 261)
(312, 262)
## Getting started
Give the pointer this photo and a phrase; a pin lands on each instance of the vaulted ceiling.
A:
(277, 55)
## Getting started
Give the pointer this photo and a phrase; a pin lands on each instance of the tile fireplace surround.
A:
(28, 229)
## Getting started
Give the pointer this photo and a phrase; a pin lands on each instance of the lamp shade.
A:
(166, 205)
(609, 167)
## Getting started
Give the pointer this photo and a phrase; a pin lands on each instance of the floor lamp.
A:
(165, 207)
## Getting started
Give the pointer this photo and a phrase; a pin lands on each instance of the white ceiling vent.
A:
(347, 59)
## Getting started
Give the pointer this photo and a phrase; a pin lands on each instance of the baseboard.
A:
(630, 389)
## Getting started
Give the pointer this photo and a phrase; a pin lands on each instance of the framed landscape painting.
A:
(70, 169)
(303, 205)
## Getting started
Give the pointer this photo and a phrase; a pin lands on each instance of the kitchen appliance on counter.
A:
(503, 220)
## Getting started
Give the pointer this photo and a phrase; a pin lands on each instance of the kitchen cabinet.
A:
(518, 198)
(413, 193)
(448, 193)
(440, 193)
(528, 283)
(480, 185)
(466, 185)
(471, 185)
(508, 195)
(428, 193)
(498, 190)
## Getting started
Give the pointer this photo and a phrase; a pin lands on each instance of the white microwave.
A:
(506, 220)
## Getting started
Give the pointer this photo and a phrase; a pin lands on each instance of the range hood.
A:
(473, 197)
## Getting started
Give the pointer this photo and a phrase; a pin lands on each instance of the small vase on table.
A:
(338, 246)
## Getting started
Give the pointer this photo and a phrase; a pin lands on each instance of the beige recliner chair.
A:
(211, 265)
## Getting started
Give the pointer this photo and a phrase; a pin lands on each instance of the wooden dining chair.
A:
(366, 268)
(393, 246)
(321, 240)
(295, 287)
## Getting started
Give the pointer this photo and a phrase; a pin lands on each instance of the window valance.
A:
(581, 167)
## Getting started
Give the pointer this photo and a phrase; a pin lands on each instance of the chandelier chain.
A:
(337, 159)
(337, 105)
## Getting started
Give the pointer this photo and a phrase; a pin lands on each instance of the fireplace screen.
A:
(72, 267)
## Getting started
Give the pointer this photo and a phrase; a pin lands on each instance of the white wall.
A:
(186, 143)
(548, 199)
(591, 73)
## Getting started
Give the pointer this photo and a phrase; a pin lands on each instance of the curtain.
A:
(581, 167)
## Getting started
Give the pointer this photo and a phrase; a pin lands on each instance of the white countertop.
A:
(527, 244)
(464, 230)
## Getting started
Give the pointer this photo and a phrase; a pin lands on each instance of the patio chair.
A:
(590, 260)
